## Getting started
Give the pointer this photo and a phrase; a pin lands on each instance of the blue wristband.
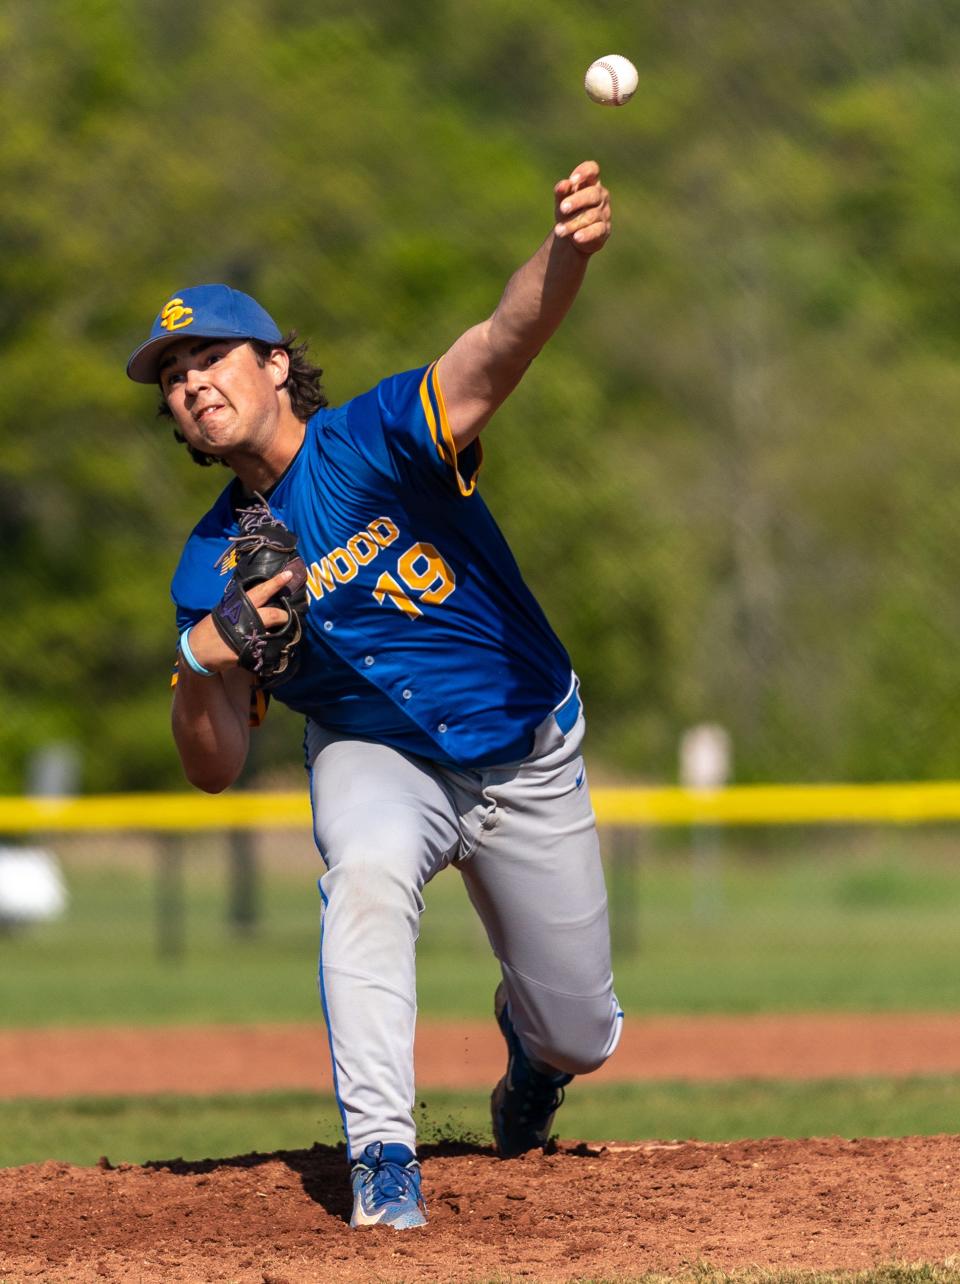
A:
(190, 658)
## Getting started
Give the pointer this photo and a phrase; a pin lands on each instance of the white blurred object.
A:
(53, 770)
(706, 764)
(705, 757)
(32, 889)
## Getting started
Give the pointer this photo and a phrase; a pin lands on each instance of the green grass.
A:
(892, 1274)
(843, 921)
(133, 1130)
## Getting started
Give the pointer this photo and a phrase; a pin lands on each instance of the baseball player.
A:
(443, 718)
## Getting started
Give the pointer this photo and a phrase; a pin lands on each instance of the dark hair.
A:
(302, 383)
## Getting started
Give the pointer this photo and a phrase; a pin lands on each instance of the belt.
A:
(567, 713)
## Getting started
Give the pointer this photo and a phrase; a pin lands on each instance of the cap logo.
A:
(175, 316)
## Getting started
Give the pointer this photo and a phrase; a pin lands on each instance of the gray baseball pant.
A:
(524, 838)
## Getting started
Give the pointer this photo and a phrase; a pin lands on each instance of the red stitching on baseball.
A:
(612, 73)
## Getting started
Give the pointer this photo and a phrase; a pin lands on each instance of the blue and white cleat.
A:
(525, 1100)
(386, 1187)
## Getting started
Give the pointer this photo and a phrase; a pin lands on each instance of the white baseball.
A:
(611, 80)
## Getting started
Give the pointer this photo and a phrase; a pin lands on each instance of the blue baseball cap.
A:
(208, 311)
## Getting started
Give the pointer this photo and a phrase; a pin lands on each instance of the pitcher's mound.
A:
(590, 1210)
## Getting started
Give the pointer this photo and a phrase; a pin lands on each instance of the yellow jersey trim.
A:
(440, 430)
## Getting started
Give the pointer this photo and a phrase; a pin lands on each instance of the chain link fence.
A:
(223, 926)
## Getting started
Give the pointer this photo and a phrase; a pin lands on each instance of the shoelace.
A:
(539, 1098)
(388, 1181)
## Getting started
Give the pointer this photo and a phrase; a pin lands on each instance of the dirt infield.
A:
(210, 1059)
(583, 1212)
(589, 1210)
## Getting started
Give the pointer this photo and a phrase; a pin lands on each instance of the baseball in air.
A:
(611, 80)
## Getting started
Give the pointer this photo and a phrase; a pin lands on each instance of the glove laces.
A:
(251, 521)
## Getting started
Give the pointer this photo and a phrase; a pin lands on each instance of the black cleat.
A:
(525, 1100)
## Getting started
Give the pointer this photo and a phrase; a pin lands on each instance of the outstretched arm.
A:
(487, 362)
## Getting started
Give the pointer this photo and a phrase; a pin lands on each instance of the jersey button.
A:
(368, 660)
(442, 728)
(406, 693)
(327, 625)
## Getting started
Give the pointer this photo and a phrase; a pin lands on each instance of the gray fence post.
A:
(624, 854)
(243, 872)
(243, 884)
(169, 897)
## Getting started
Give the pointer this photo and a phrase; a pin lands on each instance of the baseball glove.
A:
(264, 548)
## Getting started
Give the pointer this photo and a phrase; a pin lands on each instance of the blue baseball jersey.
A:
(420, 632)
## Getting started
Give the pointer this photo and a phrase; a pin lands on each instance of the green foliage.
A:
(724, 477)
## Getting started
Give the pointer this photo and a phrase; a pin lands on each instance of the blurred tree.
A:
(726, 478)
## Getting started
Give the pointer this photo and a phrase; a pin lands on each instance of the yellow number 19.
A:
(423, 571)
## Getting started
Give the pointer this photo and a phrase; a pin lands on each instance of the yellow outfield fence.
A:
(898, 804)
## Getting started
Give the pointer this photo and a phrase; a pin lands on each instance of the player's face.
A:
(223, 399)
